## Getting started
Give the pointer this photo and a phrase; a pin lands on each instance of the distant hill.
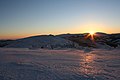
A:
(101, 40)
(43, 41)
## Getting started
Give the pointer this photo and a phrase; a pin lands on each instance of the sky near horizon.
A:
(21, 18)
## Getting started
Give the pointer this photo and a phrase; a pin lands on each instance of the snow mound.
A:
(44, 41)
(104, 46)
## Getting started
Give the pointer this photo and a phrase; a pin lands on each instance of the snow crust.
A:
(67, 64)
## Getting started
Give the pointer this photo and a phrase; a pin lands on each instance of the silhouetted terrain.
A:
(5, 42)
(112, 40)
(65, 41)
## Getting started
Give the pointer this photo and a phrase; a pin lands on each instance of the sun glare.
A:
(92, 33)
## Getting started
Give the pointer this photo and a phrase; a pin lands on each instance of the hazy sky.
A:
(20, 18)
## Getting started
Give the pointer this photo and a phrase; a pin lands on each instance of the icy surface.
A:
(69, 64)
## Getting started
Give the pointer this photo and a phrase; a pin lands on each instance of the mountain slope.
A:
(44, 41)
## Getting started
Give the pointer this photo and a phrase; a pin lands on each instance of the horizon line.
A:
(53, 35)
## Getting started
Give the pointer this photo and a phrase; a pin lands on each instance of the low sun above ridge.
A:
(91, 33)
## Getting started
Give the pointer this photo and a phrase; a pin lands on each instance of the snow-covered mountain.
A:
(43, 41)
(101, 40)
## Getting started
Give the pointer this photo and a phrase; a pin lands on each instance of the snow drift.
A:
(44, 41)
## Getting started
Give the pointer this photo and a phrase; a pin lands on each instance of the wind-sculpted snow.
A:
(44, 41)
(69, 64)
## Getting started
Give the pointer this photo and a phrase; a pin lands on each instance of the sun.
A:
(91, 33)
